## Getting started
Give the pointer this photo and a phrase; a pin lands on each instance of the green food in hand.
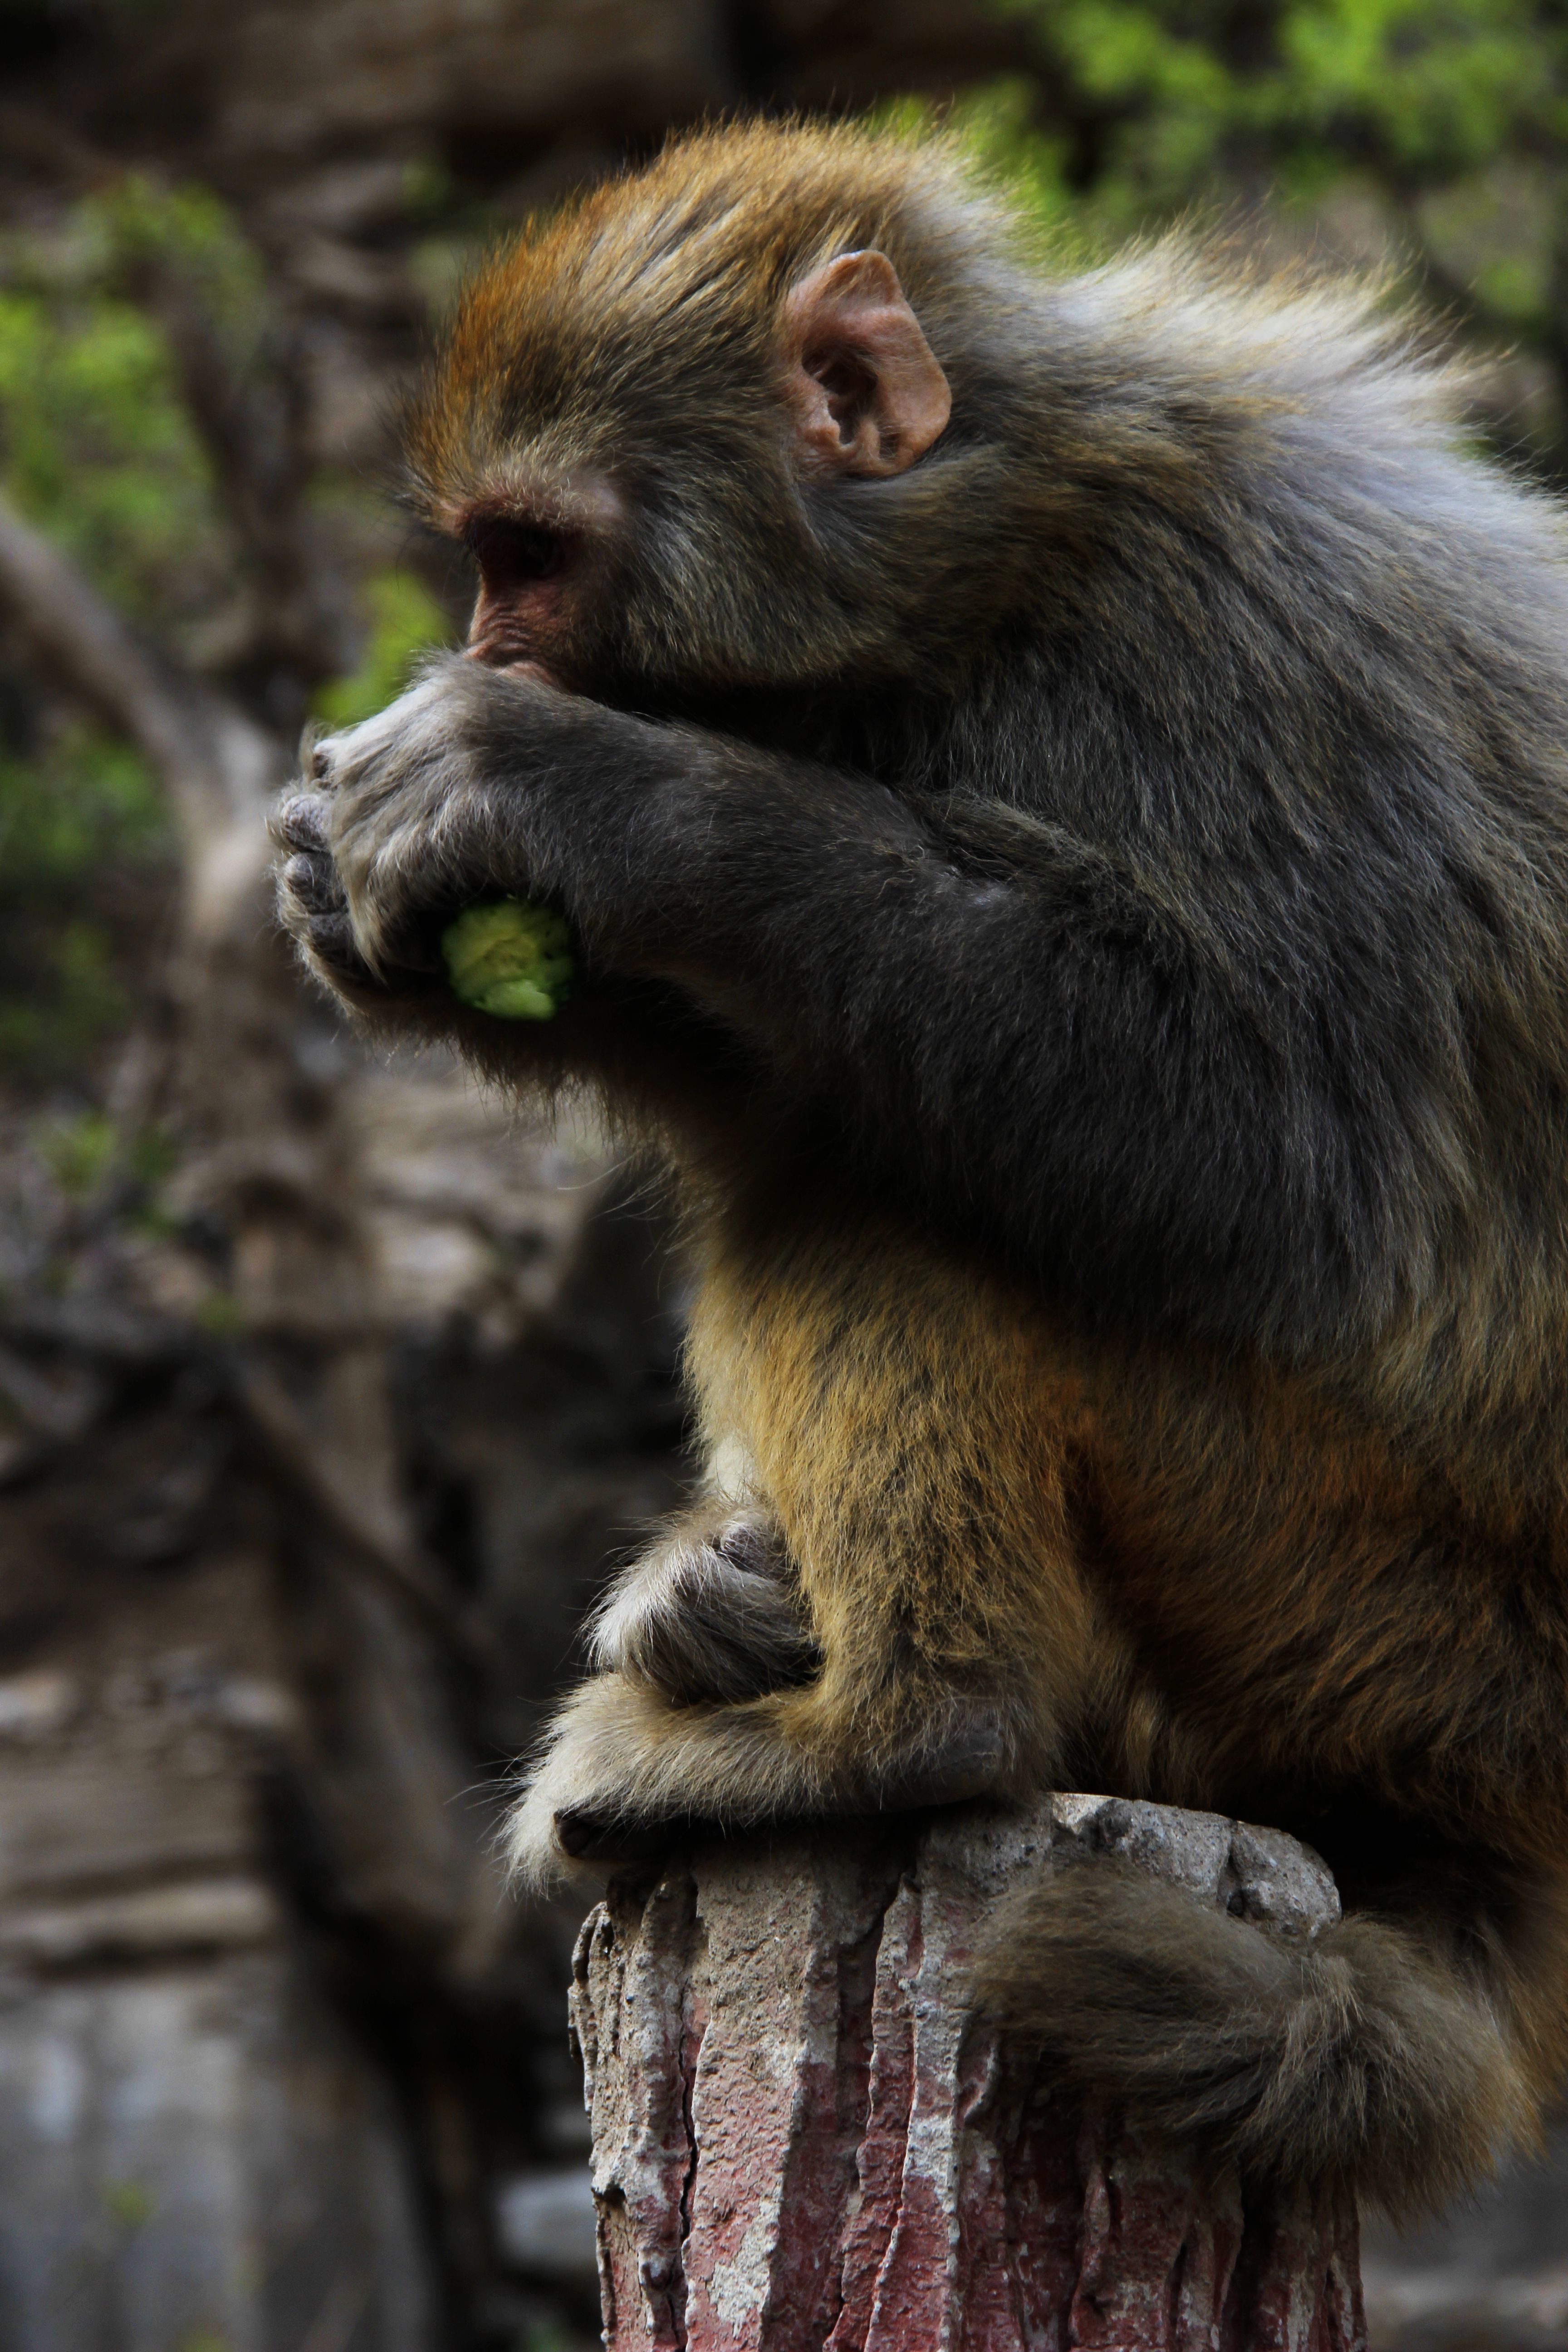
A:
(508, 958)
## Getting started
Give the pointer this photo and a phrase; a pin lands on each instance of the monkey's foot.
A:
(712, 1614)
(625, 1773)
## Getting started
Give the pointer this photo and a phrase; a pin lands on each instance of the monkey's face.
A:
(683, 461)
(546, 549)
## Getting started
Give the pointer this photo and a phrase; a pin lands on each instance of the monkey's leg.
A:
(1406, 2052)
(907, 1422)
(911, 1421)
(718, 1614)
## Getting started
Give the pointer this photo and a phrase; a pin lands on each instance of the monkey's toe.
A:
(718, 1619)
(584, 1836)
(966, 1755)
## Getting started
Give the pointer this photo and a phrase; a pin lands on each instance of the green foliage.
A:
(78, 1152)
(1165, 102)
(1438, 127)
(129, 2203)
(96, 447)
(186, 233)
(999, 126)
(86, 801)
(220, 1315)
(406, 622)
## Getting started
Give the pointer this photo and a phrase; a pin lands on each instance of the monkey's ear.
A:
(869, 395)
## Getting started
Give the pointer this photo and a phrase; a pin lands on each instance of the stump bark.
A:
(802, 2142)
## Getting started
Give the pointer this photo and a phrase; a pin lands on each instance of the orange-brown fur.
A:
(956, 1469)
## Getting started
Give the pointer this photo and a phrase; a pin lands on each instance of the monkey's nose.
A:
(510, 663)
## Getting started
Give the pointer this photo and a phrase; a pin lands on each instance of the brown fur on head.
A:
(818, 343)
(682, 359)
(673, 282)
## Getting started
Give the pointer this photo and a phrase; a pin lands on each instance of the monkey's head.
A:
(700, 428)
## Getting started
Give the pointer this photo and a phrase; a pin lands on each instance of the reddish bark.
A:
(801, 2142)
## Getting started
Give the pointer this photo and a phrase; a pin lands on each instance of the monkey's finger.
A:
(312, 884)
(331, 937)
(302, 822)
(316, 758)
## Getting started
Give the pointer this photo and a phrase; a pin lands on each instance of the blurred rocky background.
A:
(328, 1392)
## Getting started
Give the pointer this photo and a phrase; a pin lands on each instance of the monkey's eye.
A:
(512, 553)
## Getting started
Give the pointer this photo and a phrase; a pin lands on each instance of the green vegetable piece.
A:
(508, 958)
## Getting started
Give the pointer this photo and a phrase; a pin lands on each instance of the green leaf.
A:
(406, 624)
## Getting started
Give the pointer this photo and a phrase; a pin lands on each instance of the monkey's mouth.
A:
(524, 666)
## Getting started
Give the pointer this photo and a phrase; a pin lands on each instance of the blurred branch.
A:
(308, 1460)
(253, 425)
(216, 766)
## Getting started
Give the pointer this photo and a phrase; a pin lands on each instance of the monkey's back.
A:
(1287, 715)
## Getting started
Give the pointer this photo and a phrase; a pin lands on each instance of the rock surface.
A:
(197, 2155)
(801, 2142)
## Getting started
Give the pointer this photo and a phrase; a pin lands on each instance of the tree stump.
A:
(802, 2142)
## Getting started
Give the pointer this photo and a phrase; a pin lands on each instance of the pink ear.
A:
(869, 395)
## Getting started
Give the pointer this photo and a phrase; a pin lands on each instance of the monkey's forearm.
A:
(1025, 1040)
(1015, 1035)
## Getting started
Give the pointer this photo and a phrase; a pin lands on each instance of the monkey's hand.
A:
(478, 782)
(380, 851)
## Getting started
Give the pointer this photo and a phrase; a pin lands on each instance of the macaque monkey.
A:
(1060, 789)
